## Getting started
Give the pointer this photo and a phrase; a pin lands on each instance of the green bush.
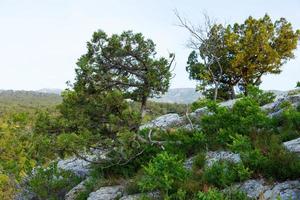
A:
(240, 143)
(244, 118)
(211, 194)
(199, 160)
(199, 104)
(260, 96)
(52, 183)
(224, 173)
(163, 173)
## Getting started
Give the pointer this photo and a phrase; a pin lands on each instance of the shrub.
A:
(199, 160)
(199, 104)
(163, 173)
(224, 173)
(211, 194)
(244, 118)
(52, 183)
(260, 96)
(240, 143)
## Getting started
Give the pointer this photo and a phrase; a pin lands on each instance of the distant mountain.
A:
(179, 95)
(50, 90)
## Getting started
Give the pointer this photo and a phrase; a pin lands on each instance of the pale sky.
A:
(41, 40)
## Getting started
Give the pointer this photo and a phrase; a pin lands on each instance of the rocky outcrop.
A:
(259, 189)
(107, 193)
(72, 194)
(253, 188)
(78, 166)
(151, 195)
(215, 156)
(165, 121)
(274, 108)
(293, 145)
(288, 190)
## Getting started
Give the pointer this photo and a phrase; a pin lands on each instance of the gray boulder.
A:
(293, 145)
(288, 190)
(151, 195)
(213, 157)
(253, 188)
(74, 192)
(78, 166)
(107, 193)
(216, 156)
(165, 121)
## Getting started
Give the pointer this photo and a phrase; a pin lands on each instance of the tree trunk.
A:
(216, 92)
(143, 106)
(232, 92)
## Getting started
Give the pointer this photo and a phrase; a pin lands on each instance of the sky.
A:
(40, 41)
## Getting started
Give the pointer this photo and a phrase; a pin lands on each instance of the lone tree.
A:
(208, 44)
(125, 62)
(239, 55)
(259, 47)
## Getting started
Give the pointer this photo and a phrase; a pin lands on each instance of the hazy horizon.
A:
(42, 40)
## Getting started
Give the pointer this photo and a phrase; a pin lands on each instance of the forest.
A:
(104, 138)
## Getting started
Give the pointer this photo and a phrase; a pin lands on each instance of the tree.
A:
(207, 44)
(125, 62)
(298, 84)
(259, 47)
(239, 55)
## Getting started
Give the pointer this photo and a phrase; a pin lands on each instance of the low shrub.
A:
(52, 183)
(163, 173)
(224, 173)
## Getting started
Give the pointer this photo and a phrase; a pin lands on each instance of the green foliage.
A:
(199, 160)
(260, 96)
(125, 62)
(211, 194)
(199, 104)
(52, 183)
(222, 174)
(298, 84)
(240, 143)
(245, 117)
(163, 173)
(241, 54)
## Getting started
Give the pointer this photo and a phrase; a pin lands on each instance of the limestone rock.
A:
(215, 156)
(78, 166)
(253, 188)
(107, 193)
(293, 145)
(288, 190)
(151, 195)
(165, 121)
(73, 193)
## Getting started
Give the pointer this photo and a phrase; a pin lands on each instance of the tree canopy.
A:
(241, 54)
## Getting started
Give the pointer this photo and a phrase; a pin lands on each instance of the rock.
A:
(199, 112)
(288, 190)
(259, 189)
(107, 193)
(215, 156)
(78, 166)
(188, 164)
(165, 121)
(151, 195)
(274, 108)
(74, 192)
(293, 145)
(228, 104)
(253, 188)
